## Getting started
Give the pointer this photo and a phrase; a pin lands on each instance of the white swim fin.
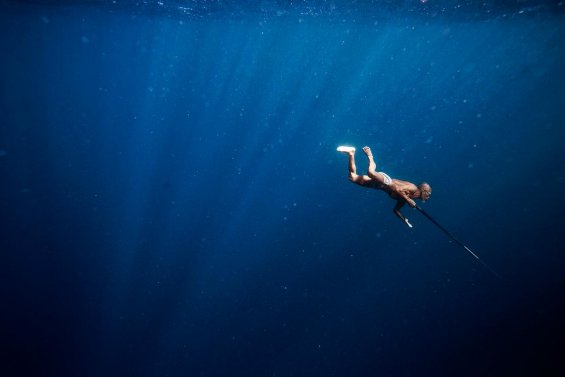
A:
(344, 149)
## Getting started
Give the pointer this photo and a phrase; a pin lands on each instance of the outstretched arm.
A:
(397, 207)
(407, 199)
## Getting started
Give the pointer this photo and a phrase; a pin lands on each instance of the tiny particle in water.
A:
(45, 19)
(84, 39)
(3, 152)
(471, 166)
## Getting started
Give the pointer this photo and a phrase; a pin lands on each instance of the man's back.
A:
(401, 186)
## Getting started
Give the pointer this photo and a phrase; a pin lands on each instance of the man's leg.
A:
(372, 169)
(353, 176)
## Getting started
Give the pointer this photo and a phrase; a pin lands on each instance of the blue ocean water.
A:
(172, 202)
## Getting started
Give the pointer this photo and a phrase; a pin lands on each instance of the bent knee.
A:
(359, 179)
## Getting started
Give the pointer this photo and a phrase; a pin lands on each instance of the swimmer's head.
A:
(425, 191)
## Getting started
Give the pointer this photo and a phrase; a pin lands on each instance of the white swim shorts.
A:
(386, 178)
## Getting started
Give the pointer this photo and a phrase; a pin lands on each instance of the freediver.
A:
(402, 191)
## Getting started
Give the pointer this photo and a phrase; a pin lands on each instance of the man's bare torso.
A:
(397, 186)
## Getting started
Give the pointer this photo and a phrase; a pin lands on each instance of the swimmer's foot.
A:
(344, 149)
(367, 151)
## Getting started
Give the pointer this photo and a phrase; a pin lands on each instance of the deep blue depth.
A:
(172, 204)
